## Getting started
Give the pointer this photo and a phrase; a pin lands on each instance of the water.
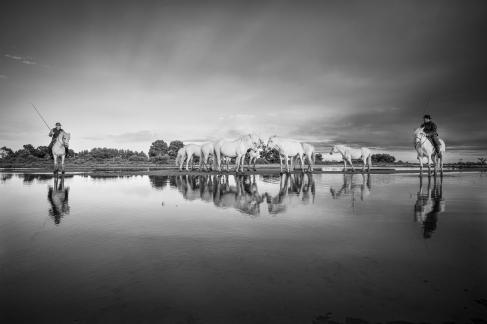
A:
(295, 249)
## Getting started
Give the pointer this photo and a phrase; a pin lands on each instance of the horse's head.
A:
(256, 140)
(334, 150)
(64, 138)
(271, 143)
(419, 135)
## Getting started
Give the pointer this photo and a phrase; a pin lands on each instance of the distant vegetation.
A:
(159, 153)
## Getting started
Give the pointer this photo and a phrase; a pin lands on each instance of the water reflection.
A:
(4, 177)
(429, 205)
(158, 182)
(293, 188)
(242, 192)
(352, 186)
(58, 197)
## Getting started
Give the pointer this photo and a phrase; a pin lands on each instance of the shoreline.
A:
(266, 170)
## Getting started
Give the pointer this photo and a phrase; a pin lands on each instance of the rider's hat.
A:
(427, 116)
(58, 124)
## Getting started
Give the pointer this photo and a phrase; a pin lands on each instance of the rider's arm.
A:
(432, 129)
(51, 133)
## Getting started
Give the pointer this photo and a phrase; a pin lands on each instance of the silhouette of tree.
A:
(158, 148)
(174, 147)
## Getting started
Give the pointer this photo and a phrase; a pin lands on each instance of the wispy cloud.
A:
(24, 60)
(129, 137)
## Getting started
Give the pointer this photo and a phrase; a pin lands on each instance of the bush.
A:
(164, 159)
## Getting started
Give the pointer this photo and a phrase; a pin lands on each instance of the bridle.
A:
(419, 139)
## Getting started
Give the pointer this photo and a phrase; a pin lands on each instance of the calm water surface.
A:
(263, 249)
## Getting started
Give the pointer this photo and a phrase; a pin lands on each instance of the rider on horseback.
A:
(54, 133)
(430, 129)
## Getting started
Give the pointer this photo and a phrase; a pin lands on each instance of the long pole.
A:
(38, 113)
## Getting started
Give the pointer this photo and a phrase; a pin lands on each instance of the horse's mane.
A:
(418, 130)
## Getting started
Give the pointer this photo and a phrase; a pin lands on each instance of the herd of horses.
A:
(291, 152)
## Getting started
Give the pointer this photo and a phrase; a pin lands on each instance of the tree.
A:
(271, 155)
(383, 158)
(482, 160)
(158, 148)
(6, 152)
(174, 147)
(29, 148)
(41, 151)
(318, 157)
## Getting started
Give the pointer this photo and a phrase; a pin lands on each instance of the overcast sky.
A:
(124, 73)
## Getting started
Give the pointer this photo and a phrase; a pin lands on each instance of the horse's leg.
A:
(55, 163)
(364, 160)
(287, 164)
(242, 163)
(344, 165)
(217, 161)
(62, 163)
(369, 162)
(420, 159)
(429, 165)
(441, 165)
(351, 164)
(301, 158)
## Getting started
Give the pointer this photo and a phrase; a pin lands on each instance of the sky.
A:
(125, 73)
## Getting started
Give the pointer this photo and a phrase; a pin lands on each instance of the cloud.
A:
(140, 136)
(24, 60)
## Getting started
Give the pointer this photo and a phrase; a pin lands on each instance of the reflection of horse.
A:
(350, 187)
(244, 196)
(296, 188)
(195, 187)
(426, 210)
(59, 149)
(425, 149)
(349, 153)
(58, 198)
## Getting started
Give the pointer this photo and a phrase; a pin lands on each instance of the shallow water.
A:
(291, 249)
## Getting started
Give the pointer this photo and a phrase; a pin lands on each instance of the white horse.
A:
(207, 150)
(349, 153)
(191, 150)
(180, 157)
(287, 148)
(425, 149)
(309, 152)
(237, 149)
(58, 149)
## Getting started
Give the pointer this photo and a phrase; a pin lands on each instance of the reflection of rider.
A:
(54, 133)
(430, 130)
(429, 219)
(58, 198)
